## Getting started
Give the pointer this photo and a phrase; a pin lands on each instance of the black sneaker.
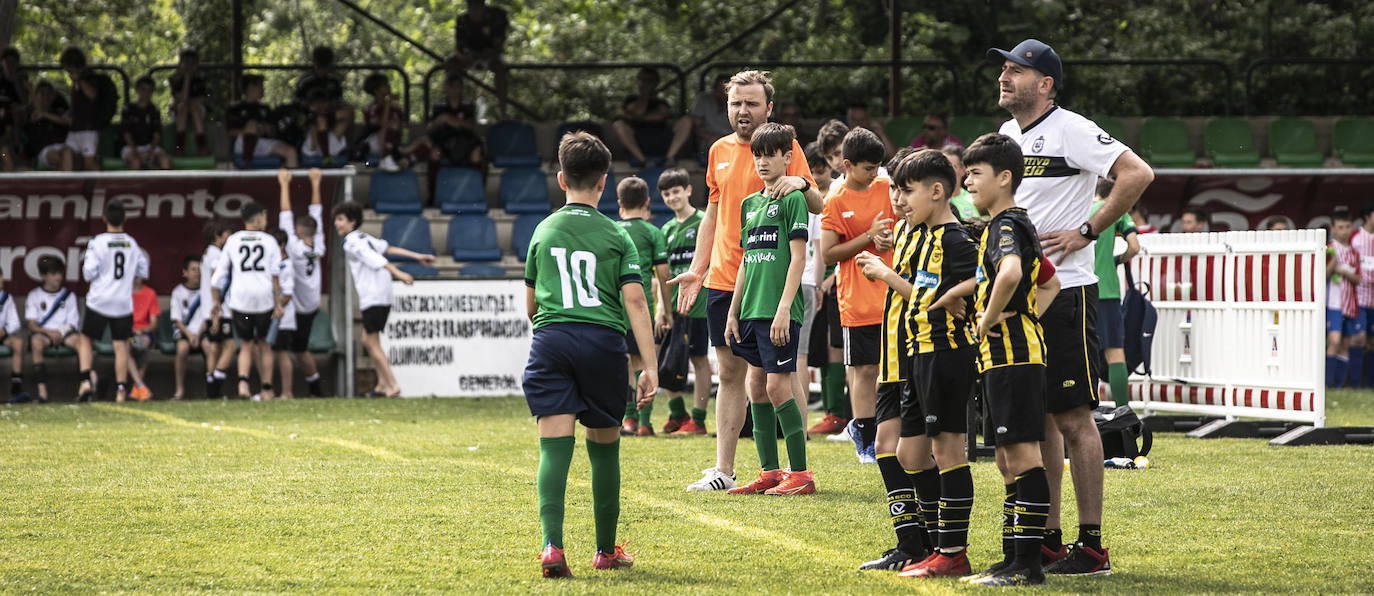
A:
(315, 389)
(892, 560)
(991, 570)
(1082, 560)
(1014, 574)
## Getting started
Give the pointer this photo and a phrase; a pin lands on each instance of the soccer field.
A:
(438, 496)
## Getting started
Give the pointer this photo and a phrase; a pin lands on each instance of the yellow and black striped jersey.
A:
(1021, 339)
(894, 364)
(946, 256)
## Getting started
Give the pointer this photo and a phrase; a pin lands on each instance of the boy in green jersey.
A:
(766, 313)
(633, 195)
(1111, 320)
(680, 234)
(583, 285)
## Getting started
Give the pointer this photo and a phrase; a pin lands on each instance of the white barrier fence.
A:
(1241, 329)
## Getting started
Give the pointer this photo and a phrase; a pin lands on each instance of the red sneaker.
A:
(614, 560)
(767, 479)
(1048, 557)
(920, 563)
(794, 483)
(940, 565)
(828, 425)
(644, 431)
(555, 565)
(673, 424)
(629, 427)
(690, 427)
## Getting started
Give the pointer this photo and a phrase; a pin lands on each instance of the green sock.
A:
(1117, 376)
(699, 415)
(793, 431)
(765, 434)
(630, 412)
(555, 457)
(832, 385)
(645, 413)
(677, 410)
(605, 460)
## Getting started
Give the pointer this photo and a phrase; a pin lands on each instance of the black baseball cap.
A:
(1035, 54)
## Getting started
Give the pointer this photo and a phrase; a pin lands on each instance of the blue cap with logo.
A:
(1035, 54)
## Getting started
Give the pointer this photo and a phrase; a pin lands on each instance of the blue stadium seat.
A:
(650, 176)
(410, 232)
(473, 238)
(523, 191)
(521, 232)
(396, 192)
(511, 144)
(482, 270)
(270, 162)
(661, 218)
(608, 203)
(459, 191)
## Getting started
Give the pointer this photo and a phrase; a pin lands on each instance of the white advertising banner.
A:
(458, 338)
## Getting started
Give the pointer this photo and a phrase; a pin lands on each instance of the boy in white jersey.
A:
(283, 331)
(252, 258)
(218, 339)
(51, 318)
(372, 275)
(9, 327)
(305, 249)
(112, 261)
(188, 319)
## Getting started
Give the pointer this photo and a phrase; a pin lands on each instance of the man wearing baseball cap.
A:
(1065, 154)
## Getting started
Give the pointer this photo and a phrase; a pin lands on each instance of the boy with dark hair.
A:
(633, 195)
(831, 140)
(140, 126)
(250, 257)
(113, 259)
(321, 79)
(1342, 304)
(219, 336)
(249, 121)
(51, 317)
(189, 92)
(9, 328)
(451, 132)
(1111, 321)
(92, 106)
(825, 331)
(385, 123)
(583, 286)
(305, 248)
(46, 130)
(1194, 220)
(765, 317)
(188, 320)
(145, 316)
(1011, 353)
(858, 216)
(680, 238)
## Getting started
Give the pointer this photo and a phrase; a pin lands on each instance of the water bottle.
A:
(1119, 463)
(482, 109)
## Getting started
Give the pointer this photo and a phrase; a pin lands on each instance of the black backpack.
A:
(1120, 428)
(673, 356)
(106, 99)
(1141, 319)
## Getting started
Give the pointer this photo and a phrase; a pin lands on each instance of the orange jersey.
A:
(730, 177)
(849, 213)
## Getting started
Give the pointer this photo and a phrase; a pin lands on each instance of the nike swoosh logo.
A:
(782, 362)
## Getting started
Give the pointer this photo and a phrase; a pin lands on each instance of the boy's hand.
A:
(987, 324)
(956, 307)
(689, 285)
(406, 278)
(872, 267)
(283, 176)
(780, 332)
(315, 175)
(826, 284)
(277, 312)
(732, 336)
(648, 386)
(663, 325)
(427, 260)
(54, 335)
(881, 227)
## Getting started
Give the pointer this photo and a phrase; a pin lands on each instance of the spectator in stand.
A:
(322, 78)
(1361, 349)
(141, 127)
(935, 135)
(1343, 322)
(706, 122)
(1281, 222)
(452, 130)
(327, 141)
(92, 106)
(642, 124)
(1141, 216)
(46, 130)
(15, 92)
(189, 93)
(249, 121)
(385, 123)
(857, 117)
(789, 113)
(479, 36)
(1194, 221)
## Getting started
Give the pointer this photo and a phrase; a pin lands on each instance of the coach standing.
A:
(1065, 153)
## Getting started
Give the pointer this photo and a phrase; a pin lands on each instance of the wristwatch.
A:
(1087, 231)
(806, 184)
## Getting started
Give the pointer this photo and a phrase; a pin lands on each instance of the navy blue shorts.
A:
(631, 347)
(578, 368)
(717, 310)
(698, 337)
(1111, 324)
(756, 347)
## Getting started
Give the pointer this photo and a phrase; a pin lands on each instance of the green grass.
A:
(433, 496)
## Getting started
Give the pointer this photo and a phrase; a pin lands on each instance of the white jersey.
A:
(249, 262)
(813, 239)
(189, 308)
(207, 275)
(42, 307)
(9, 313)
(111, 263)
(286, 278)
(305, 261)
(367, 262)
(1065, 155)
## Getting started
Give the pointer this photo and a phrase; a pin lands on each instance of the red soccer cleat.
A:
(828, 425)
(794, 483)
(629, 427)
(940, 565)
(690, 427)
(615, 560)
(767, 479)
(553, 562)
(644, 430)
(673, 424)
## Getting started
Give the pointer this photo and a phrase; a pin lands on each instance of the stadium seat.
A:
(1352, 140)
(608, 203)
(103, 346)
(1293, 143)
(322, 333)
(1164, 143)
(395, 192)
(324, 162)
(969, 128)
(458, 191)
(523, 190)
(1112, 126)
(66, 352)
(410, 232)
(193, 160)
(473, 238)
(521, 232)
(162, 338)
(1229, 144)
(482, 270)
(902, 130)
(5, 351)
(650, 176)
(511, 144)
(270, 162)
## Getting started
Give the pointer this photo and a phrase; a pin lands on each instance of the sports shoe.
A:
(629, 427)
(794, 483)
(992, 569)
(690, 427)
(843, 435)
(388, 165)
(828, 425)
(767, 479)
(862, 449)
(1014, 574)
(1048, 557)
(141, 393)
(673, 424)
(918, 563)
(554, 563)
(712, 479)
(1082, 560)
(940, 565)
(892, 560)
(614, 560)
(644, 430)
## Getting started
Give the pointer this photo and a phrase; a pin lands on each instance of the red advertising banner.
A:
(58, 216)
(1244, 202)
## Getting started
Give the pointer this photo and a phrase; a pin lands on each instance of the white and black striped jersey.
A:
(188, 307)
(42, 307)
(9, 313)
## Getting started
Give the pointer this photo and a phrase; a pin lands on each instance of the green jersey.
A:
(767, 227)
(1104, 259)
(681, 239)
(577, 263)
(963, 205)
(652, 250)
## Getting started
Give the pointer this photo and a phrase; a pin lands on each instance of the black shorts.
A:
(862, 344)
(819, 353)
(284, 340)
(831, 303)
(300, 340)
(895, 401)
(1111, 324)
(577, 368)
(1015, 398)
(698, 337)
(756, 347)
(93, 325)
(631, 348)
(1071, 358)
(252, 326)
(224, 332)
(374, 318)
(717, 311)
(942, 382)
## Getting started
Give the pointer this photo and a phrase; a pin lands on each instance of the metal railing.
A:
(1269, 63)
(1205, 63)
(427, 82)
(405, 80)
(123, 76)
(710, 69)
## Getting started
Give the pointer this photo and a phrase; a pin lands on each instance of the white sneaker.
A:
(843, 435)
(712, 479)
(388, 165)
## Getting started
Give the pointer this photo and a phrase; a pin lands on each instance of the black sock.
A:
(1032, 509)
(1091, 536)
(1054, 539)
(868, 429)
(1009, 523)
(956, 503)
(16, 384)
(901, 505)
(927, 483)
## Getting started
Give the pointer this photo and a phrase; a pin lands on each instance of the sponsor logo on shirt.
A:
(722, 165)
(847, 214)
(762, 237)
(978, 276)
(925, 279)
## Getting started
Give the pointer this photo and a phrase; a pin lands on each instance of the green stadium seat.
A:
(903, 129)
(1229, 144)
(1293, 143)
(1352, 140)
(1112, 126)
(162, 338)
(5, 351)
(192, 160)
(108, 150)
(59, 352)
(322, 333)
(1164, 143)
(969, 128)
(105, 345)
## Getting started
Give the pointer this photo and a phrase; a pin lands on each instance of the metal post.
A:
(894, 89)
(235, 43)
(346, 319)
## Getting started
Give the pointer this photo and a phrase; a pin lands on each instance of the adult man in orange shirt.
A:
(730, 177)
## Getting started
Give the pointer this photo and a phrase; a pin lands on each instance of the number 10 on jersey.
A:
(581, 274)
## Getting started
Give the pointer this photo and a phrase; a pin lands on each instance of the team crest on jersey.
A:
(690, 233)
(1105, 139)
(773, 210)
(1038, 144)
